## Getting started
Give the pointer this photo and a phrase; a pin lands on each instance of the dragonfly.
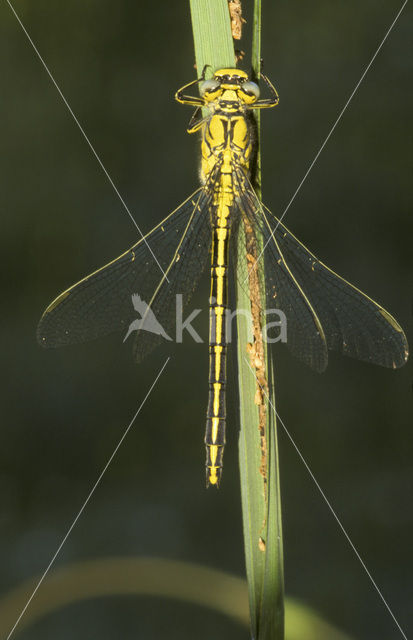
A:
(323, 311)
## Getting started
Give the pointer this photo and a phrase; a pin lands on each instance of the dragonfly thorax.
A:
(227, 142)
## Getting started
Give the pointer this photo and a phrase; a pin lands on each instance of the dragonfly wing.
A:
(181, 276)
(353, 323)
(305, 336)
(113, 297)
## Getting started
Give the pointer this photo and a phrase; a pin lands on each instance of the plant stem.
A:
(258, 452)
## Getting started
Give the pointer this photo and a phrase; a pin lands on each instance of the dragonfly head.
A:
(229, 80)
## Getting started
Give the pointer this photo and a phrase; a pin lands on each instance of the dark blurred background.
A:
(64, 411)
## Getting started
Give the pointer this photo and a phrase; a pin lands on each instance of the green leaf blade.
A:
(212, 35)
(261, 510)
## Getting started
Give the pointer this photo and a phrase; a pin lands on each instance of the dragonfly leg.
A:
(191, 100)
(267, 103)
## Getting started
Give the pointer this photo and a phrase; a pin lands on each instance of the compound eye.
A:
(208, 86)
(251, 88)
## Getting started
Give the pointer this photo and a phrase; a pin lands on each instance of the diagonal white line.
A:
(84, 135)
(328, 503)
(69, 531)
(330, 133)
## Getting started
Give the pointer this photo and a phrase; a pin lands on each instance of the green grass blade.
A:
(252, 485)
(212, 35)
(261, 505)
(260, 500)
(272, 622)
(256, 70)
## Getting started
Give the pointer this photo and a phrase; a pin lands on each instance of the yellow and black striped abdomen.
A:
(216, 412)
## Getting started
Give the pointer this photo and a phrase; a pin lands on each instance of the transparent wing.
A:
(305, 336)
(352, 323)
(102, 302)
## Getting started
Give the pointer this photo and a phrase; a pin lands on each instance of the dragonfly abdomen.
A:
(216, 412)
